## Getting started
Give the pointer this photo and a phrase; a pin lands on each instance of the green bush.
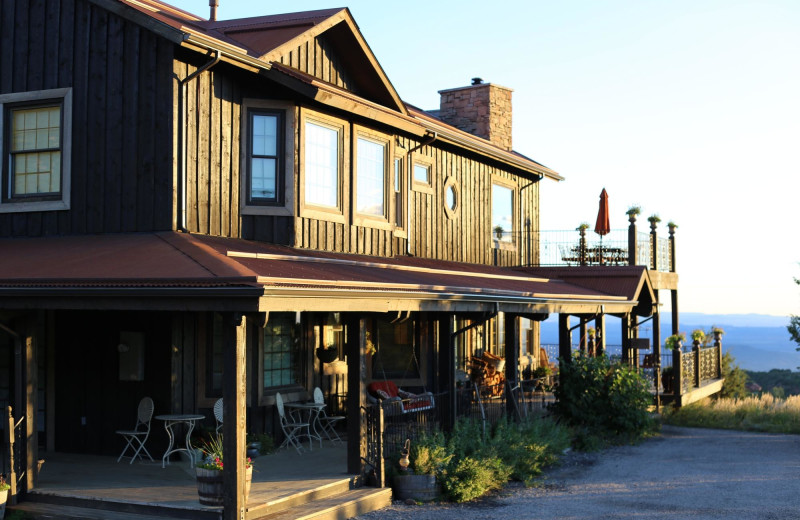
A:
(603, 400)
(430, 456)
(472, 478)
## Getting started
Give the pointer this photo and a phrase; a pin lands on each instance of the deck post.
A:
(718, 346)
(677, 373)
(697, 371)
(583, 341)
(511, 324)
(672, 268)
(564, 338)
(600, 338)
(582, 245)
(12, 473)
(626, 339)
(632, 239)
(447, 370)
(356, 349)
(234, 388)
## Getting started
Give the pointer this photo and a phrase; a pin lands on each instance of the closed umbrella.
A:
(602, 226)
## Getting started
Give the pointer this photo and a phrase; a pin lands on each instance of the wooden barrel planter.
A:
(415, 487)
(210, 488)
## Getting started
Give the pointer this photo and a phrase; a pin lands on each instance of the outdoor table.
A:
(311, 410)
(170, 421)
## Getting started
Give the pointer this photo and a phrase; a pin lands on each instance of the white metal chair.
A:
(327, 423)
(136, 437)
(290, 426)
(218, 413)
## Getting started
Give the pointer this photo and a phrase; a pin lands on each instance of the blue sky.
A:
(689, 109)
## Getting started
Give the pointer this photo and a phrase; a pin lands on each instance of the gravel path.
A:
(686, 473)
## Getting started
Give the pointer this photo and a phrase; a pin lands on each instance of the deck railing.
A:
(698, 366)
(619, 247)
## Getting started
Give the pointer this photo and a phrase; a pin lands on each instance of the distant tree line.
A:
(779, 382)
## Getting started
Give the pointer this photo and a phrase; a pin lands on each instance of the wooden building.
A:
(190, 208)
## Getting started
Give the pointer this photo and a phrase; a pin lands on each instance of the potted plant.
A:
(209, 473)
(675, 340)
(634, 211)
(698, 336)
(498, 231)
(4, 487)
(327, 354)
(419, 469)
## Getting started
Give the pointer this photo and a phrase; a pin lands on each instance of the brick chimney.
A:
(482, 109)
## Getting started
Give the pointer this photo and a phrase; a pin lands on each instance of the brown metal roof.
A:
(175, 260)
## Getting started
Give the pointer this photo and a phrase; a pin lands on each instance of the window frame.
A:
(35, 99)
(511, 185)
(367, 219)
(422, 160)
(316, 211)
(286, 168)
(399, 199)
(453, 212)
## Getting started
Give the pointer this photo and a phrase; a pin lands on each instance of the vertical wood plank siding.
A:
(120, 75)
(320, 60)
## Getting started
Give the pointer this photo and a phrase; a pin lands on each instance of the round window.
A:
(451, 197)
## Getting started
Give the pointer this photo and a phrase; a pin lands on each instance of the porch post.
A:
(583, 338)
(657, 349)
(564, 338)
(511, 325)
(674, 292)
(626, 338)
(356, 349)
(600, 325)
(234, 387)
(447, 370)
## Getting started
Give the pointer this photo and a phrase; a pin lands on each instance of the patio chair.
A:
(136, 437)
(327, 422)
(290, 427)
(218, 414)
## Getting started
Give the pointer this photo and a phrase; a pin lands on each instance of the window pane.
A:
(263, 182)
(397, 172)
(370, 171)
(422, 173)
(281, 350)
(265, 134)
(502, 211)
(322, 165)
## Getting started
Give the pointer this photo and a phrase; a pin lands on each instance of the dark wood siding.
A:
(122, 171)
(319, 59)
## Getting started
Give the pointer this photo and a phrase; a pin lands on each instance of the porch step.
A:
(351, 503)
(44, 511)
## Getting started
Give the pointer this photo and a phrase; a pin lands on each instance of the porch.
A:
(95, 486)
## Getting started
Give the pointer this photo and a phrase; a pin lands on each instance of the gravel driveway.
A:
(686, 473)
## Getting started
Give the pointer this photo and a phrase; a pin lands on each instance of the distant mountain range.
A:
(758, 342)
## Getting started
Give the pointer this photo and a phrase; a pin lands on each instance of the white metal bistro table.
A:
(170, 421)
(312, 410)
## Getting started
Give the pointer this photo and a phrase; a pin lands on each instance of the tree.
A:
(735, 378)
(794, 324)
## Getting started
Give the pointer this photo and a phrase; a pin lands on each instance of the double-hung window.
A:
(324, 157)
(35, 131)
(372, 178)
(265, 158)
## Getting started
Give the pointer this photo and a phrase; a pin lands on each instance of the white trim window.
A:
(502, 213)
(371, 177)
(321, 165)
(35, 139)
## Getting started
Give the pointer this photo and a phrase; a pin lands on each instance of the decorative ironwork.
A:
(709, 363)
(687, 372)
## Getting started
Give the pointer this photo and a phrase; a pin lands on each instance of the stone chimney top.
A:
(482, 109)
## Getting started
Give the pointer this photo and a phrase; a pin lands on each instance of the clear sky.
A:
(687, 108)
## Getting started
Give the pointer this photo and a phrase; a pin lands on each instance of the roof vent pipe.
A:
(477, 81)
(213, 4)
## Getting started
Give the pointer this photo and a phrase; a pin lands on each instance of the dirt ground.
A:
(686, 473)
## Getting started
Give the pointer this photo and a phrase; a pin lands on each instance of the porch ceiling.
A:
(169, 270)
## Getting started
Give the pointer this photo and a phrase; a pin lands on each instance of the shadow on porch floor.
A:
(101, 482)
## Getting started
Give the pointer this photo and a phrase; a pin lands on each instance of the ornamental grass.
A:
(764, 413)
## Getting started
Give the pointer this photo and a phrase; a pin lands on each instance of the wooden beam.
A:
(234, 387)
(356, 351)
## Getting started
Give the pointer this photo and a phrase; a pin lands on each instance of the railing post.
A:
(380, 472)
(677, 373)
(632, 238)
(12, 474)
(697, 368)
(672, 227)
(718, 346)
(653, 244)
(582, 247)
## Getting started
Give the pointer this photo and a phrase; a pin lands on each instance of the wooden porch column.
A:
(600, 325)
(356, 351)
(626, 339)
(564, 338)
(511, 324)
(674, 292)
(446, 381)
(583, 339)
(234, 388)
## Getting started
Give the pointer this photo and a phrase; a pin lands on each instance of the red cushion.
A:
(413, 405)
(387, 386)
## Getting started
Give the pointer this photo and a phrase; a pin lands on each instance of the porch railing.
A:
(618, 247)
(697, 366)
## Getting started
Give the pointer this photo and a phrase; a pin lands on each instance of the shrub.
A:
(603, 400)
(430, 456)
(735, 378)
(471, 478)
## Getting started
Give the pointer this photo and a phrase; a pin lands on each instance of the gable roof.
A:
(259, 43)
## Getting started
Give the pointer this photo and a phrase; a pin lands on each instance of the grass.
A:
(755, 413)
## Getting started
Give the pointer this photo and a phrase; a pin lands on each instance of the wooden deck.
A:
(281, 481)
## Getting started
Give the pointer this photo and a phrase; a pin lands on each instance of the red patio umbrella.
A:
(602, 226)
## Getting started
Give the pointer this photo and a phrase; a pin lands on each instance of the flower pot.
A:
(210, 489)
(415, 487)
(254, 449)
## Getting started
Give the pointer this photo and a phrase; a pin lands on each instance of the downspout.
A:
(409, 166)
(182, 124)
(526, 234)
